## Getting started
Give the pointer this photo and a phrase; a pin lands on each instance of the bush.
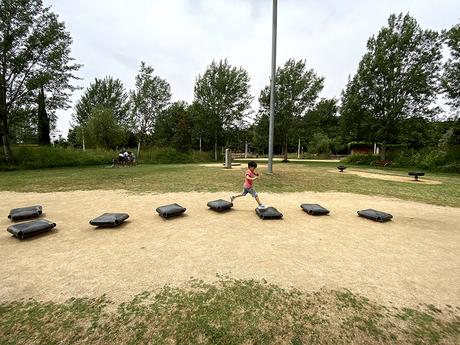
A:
(35, 157)
(359, 158)
(168, 155)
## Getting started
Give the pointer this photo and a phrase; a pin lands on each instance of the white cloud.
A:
(180, 38)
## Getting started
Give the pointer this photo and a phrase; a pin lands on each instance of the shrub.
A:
(359, 158)
(35, 157)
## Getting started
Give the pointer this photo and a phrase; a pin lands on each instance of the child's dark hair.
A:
(252, 164)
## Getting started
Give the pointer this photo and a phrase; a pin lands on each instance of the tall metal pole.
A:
(272, 91)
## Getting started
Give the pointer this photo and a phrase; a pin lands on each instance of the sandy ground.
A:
(414, 258)
(380, 176)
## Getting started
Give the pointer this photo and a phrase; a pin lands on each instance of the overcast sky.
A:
(180, 38)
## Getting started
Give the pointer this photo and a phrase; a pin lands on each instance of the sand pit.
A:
(380, 176)
(412, 259)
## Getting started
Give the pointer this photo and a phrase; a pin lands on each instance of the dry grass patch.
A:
(229, 311)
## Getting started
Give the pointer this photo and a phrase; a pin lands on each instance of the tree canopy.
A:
(222, 93)
(397, 78)
(35, 57)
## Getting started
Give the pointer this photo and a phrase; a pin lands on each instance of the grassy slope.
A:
(184, 178)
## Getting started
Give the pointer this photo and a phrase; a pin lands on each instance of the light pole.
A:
(272, 91)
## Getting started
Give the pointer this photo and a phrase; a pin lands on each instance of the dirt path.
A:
(414, 258)
(387, 177)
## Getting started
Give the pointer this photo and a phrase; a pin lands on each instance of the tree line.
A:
(390, 100)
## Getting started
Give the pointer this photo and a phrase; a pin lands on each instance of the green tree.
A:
(224, 98)
(355, 122)
(106, 93)
(43, 120)
(103, 129)
(397, 77)
(173, 127)
(451, 76)
(296, 90)
(33, 45)
(151, 97)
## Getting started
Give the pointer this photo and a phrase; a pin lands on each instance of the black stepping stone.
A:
(220, 205)
(25, 212)
(171, 210)
(378, 216)
(268, 213)
(314, 209)
(27, 229)
(109, 219)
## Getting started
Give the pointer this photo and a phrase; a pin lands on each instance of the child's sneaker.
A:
(232, 198)
(262, 207)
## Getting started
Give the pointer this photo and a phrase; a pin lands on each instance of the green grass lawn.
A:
(228, 311)
(292, 177)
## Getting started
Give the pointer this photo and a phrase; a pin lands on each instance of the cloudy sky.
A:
(180, 38)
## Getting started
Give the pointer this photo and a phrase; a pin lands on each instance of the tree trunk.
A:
(138, 148)
(200, 143)
(298, 150)
(285, 149)
(382, 152)
(215, 148)
(6, 147)
(43, 120)
(83, 138)
(4, 124)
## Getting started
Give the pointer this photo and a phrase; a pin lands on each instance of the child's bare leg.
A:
(233, 197)
(258, 200)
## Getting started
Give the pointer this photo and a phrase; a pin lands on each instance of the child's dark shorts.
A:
(250, 191)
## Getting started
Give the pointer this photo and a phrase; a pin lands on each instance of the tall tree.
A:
(151, 97)
(297, 90)
(451, 76)
(356, 123)
(397, 77)
(108, 93)
(43, 120)
(223, 95)
(103, 93)
(103, 129)
(174, 127)
(33, 44)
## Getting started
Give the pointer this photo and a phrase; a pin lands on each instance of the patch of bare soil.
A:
(397, 178)
(413, 258)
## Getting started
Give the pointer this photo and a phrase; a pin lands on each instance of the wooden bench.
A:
(382, 163)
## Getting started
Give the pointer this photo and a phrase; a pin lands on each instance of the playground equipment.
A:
(32, 228)
(268, 213)
(109, 219)
(171, 210)
(416, 174)
(25, 212)
(372, 214)
(314, 209)
(220, 205)
(341, 168)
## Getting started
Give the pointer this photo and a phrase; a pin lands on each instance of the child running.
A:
(251, 176)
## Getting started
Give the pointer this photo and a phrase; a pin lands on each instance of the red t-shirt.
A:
(248, 182)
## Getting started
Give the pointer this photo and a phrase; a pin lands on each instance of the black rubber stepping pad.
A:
(220, 205)
(314, 209)
(378, 216)
(109, 219)
(25, 212)
(269, 213)
(171, 210)
(27, 229)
